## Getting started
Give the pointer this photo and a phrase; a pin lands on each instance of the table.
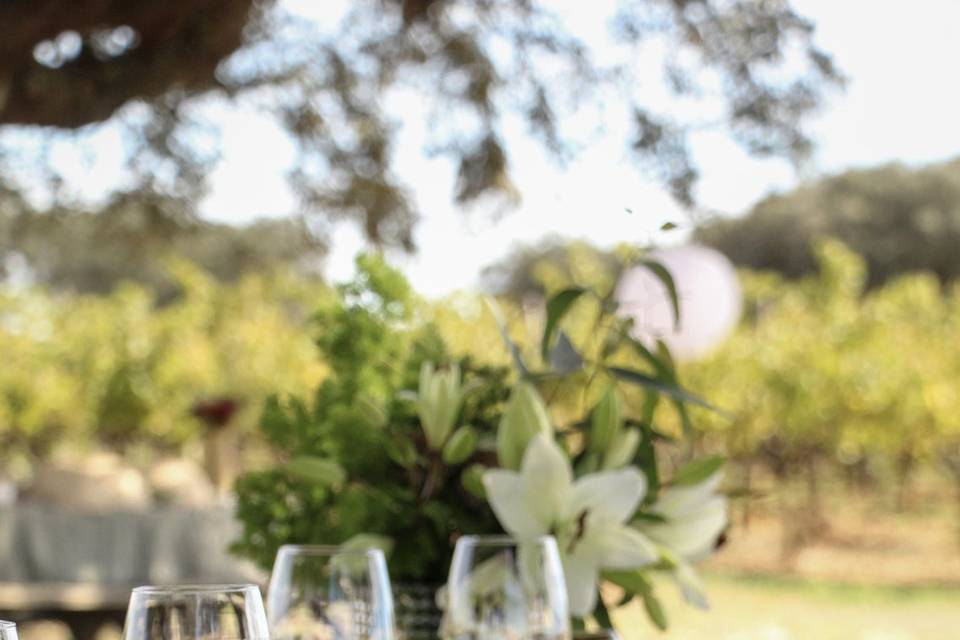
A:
(80, 567)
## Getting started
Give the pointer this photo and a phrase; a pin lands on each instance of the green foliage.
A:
(395, 486)
(412, 472)
(822, 368)
(123, 370)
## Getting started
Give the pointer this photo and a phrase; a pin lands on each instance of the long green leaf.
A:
(557, 306)
(666, 388)
(636, 582)
(662, 362)
(655, 610)
(512, 347)
(601, 615)
(663, 369)
(699, 470)
(632, 581)
(663, 274)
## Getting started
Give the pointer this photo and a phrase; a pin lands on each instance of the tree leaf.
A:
(697, 471)
(557, 306)
(663, 274)
(323, 472)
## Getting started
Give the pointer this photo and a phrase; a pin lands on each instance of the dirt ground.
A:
(788, 609)
(863, 539)
(868, 571)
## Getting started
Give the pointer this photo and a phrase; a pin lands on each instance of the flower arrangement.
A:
(407, 447)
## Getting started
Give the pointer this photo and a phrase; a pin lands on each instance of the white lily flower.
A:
(694, 517)
(587, 516)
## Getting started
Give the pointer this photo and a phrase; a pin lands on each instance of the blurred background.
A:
(183, 185)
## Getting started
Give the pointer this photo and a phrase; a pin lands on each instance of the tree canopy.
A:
(477, 69)
(134, 237)
(899, 219)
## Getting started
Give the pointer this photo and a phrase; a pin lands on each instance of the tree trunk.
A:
(814, 502)
(747, 484)
(952, 463)
(906, 463)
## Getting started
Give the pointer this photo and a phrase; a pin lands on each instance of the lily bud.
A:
(472, 480)
(622, 450)
(461, 445)
(606, 421)
(438, 402)
(525, 417)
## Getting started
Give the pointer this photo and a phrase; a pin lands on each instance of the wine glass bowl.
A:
(196, 612)
(500, 588)
(8, 630)
(330, 593)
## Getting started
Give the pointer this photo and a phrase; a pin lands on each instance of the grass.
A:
(791, 609)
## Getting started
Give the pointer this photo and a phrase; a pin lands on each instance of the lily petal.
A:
(674, 502)
(505, 493)
(581, 575)
(693, 534)
(615, 546)
(612, 495)
(547, 478)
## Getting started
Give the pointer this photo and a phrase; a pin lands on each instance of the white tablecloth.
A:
(40, 543)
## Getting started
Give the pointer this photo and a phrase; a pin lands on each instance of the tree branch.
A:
(180, 45)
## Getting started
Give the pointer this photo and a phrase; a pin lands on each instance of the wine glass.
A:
(195, 612)
(8, 630)
(500, 588)
(330, 593)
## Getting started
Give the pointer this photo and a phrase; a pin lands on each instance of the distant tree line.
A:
(900, 219)
(131, 239)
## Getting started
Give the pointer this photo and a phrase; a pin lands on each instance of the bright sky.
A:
(901, 104)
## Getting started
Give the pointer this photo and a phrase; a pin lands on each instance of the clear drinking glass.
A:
(503, 589)
(330, 593)
(8, 630)
(195, 612)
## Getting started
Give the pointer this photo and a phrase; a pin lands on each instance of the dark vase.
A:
(415, 608)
